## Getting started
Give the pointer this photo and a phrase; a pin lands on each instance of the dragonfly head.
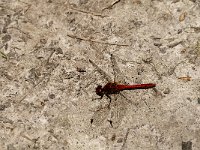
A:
(99, 90)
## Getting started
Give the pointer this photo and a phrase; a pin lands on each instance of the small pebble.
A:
(52, 96)
(2, 107)
(166, 91)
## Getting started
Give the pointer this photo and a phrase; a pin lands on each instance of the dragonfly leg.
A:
(97, 98)
(91, 121)
(110, 121)
(109, 100)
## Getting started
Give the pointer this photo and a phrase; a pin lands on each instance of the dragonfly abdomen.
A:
(137, 86)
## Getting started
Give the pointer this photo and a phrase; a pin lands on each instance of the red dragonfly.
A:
(113, 88)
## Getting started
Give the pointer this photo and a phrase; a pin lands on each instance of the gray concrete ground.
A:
(47, 84)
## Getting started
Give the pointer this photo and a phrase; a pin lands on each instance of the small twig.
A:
(174, 44)
(70, 7)
(88, 12)
(125, 139)
(26, 137)
(111, 6)
(34, 140)
(19, 30)
(3, 55)
(47, 61)
(91, 40)
(187, 78)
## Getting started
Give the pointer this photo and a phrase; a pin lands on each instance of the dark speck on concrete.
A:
(198, 100)
(187, 145)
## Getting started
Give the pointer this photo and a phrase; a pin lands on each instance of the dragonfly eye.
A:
(99, 90)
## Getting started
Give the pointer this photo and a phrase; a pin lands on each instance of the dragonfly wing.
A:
(118, 77)
(103, 73)
(100, 116)
(118, 110)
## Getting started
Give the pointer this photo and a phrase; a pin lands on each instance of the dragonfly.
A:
(114, 91)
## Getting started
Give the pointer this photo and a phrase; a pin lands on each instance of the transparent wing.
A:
(118, 76)
(118, 109)
(100, 116)
(103, 73)
(119, 102)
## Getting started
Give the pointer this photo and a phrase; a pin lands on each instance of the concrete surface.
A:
(47, 83)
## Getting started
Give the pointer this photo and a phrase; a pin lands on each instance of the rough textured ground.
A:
(47, 83)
